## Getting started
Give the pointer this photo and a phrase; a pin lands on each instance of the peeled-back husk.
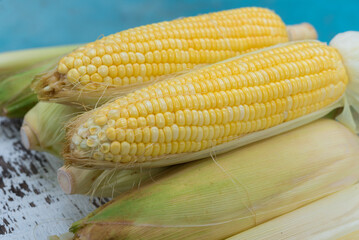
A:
(219, 197)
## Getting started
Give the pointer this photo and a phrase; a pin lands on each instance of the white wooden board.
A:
(32, 205)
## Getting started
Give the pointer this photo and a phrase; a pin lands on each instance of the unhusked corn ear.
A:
(141, 55)
(218, 197)
(332, 217)
(170, 120)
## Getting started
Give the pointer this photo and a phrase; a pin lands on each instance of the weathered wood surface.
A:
(32, 205)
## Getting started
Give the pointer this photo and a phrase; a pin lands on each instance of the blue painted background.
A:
(35, 23)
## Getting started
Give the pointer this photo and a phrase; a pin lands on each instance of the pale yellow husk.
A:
(330, 218)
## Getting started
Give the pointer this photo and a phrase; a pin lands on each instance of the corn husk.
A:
(18, 61)
(17, 70)
(218, 197)
(332, 217)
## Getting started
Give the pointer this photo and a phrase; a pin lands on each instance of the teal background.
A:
(36, 23)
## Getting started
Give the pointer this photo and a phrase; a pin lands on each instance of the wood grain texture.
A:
(32, 205)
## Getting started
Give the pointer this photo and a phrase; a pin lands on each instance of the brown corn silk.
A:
(118, 63)
(213, 109)
(219, 197)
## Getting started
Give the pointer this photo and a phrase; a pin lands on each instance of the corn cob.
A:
(219, 197)
(333, 217)
(213, 109)
(43, 130)
(130, 59)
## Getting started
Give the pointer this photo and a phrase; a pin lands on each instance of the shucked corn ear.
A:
(219, 197)
(213, 109)
(121, 62)
(43, 130)
(333, 217)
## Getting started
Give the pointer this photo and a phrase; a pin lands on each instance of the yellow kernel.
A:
(149, 57)
(112, 71)
(120, 134)
(100, 120)
(160, 120)
(148, 149)
(138, 135)
(156, 149)
(86, 60)
(69, 62)
(91, 52)
(140, 57)
(125, 148)
(168, 134)
(132, 123)
(188, 116)
(121, 123)
(96, 61)
(78, 63)
(154, 134)
(111, 123)
(130, 135)
(107, 80)
(132, 110)
(107, 60)
(151, 120)
(113, 114)
(115, 147)
(103, 70)
(124, 58)
(82, 70)
(141, 122)
(85, 79)
(116, 59)
(133, 149)
(146, 137)
(91, 69)
(96, 77)
(180, 118)
(121, 70)
(73, 76)
(111, 133)
(140, 149)
(62, 68)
